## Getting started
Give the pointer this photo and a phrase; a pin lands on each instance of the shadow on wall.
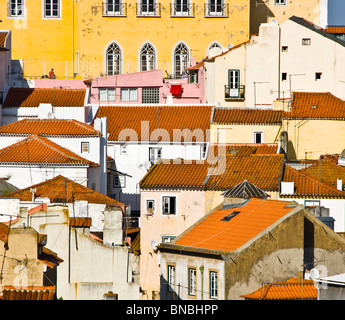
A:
(168, 293)
(259, 14)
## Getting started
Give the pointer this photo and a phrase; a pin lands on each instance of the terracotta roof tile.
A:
(247, 116)
(61, 190)
(35, 149)
(228, 228)
(4, 230)
(3, 37)
(166, 118)
(335, 29)
(292, 289)
(80, 222)
(307, 186)
(49, 127)
(28, 293)
(315, 105)
(32, 97)
(264, 171)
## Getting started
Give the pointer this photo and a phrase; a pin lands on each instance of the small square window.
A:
(285, 48)
(106, 94)
(129, 94)
(167, 239)
(306, 42)
(150, 206)
(16, 8)
(168, 205)
(123, 150)
(279, 2)
(154, 154)
(318, 76)
(284, 76)
(51, 8)
(258, 137)
(119, 181)
(85, 147)
(150, 95)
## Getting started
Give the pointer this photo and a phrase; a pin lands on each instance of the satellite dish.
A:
(314, 274)
(154, 244)
(230, 45)
(147, 165)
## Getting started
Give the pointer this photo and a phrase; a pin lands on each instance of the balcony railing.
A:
(216, 10)
(148, 10)
(182, 10)
(235, 93)
(111, 9)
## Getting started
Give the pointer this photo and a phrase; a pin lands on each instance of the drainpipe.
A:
(202, 282)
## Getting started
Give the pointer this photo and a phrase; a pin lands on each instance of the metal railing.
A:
(235, 93)
(182, 10)
(216, 10)
(148, 10)
(111, 9)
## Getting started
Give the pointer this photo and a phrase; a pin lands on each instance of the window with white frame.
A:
(213, 284)
(113, 59)
(148, 7)
(258, 137)
(167, 239)
(52, 8)
(306, 42)
(154, 154)
(113, 7)
(123, 150)
(150, 95)
(234, 83)
(168, 205)
(192, 281)
(85, 147)
(16, 8)
(119, 181)
(147, 57)
(215, 7)
(150, 206)
(280, 2)
(171, 274)
(106, 94)
(181, 60)
(182, 8)
(129, 94)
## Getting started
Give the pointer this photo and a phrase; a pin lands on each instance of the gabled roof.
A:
(246, 190)
(229, 228)
(246, 116)
(32, 97)
(49, 128)
(306, 186)
(316, 105)
(38, 150)
(217, 173)
(63, 190)
(292, 289)
(317, 29)
(153, 117)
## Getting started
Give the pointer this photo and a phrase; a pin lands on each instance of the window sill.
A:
(216, 16)
(116, 15)
(148, 15)
(182, 16)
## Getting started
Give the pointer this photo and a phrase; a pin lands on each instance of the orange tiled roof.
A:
(61, 189)
(242, 148)
(336, 29)
(329, 172)
(264, 171)
(316, 105)
(49, 127)
(307, 186)
(28, 293)
(247, 116)
(292, 289)
(35, 149)
(245, 222)
(80, 222)
(3, 36)
(166, 118)
(4, 230)
(32, 97)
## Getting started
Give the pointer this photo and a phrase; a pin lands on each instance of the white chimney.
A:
(113, 227)
(340, 184)
(45, 111)
(287, 187)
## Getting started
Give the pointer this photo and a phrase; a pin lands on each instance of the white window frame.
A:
(44, 5)
(185, 8)
(169, 208)
(149, 210)
(213, 284)
(17, 7)
(117, 58)
(123, 150)
(181, 59)
(147, 57)
(167, 238)
(192, 281)
(113, 5)
(106, 94)
(234, 83)
(280, 2)
(306, 41)
(155, 153)
(318, 74)
(129, 94)
(150, 4)
(171, 277)
(213, 8)
(85, 147)
(262, 135)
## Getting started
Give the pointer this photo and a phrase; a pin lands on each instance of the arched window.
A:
(147, 57)
(214, 45)
(181, 59)
(114, 58)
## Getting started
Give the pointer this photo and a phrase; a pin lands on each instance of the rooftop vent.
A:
(230, 216)
(313, 107)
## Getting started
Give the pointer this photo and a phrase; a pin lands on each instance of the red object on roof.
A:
(176, 89)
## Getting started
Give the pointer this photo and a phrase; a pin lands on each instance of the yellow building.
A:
(93, 37)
